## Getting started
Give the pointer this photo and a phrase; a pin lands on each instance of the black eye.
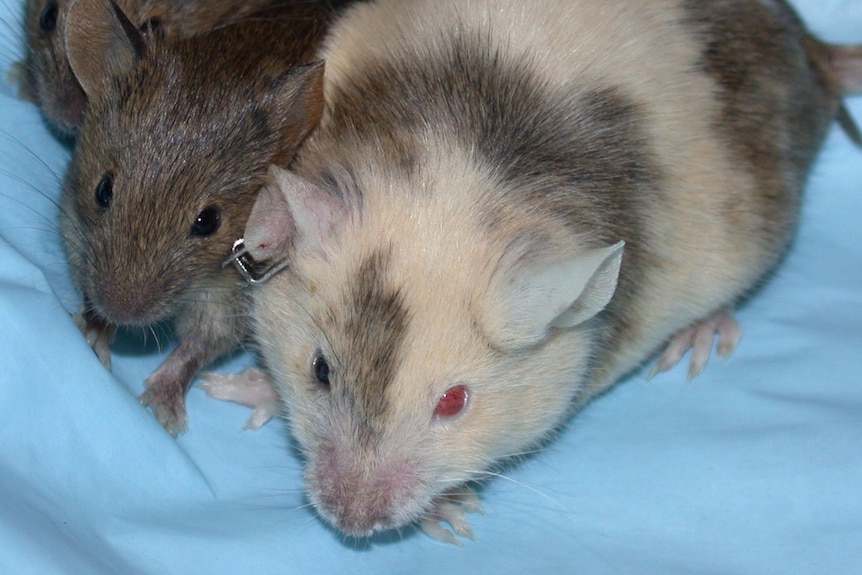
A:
(48, 18)
(321, 369)
(150, 26)
(105, 190)
(207, 222)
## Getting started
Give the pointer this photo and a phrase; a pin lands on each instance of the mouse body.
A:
(507, 207)
(47, 78)
(175, 143)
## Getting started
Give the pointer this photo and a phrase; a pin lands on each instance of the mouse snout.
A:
(361, 497)
(129, 303)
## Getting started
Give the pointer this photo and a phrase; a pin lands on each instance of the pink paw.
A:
(451, 507)
(251, 387)
(167, 402)
(699, 338)
(99, 335)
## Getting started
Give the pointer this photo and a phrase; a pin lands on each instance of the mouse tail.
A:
(848, 124)
(840, 67)
(845, 63)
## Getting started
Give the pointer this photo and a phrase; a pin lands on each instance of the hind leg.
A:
(699, 338)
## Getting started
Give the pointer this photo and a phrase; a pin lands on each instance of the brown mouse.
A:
(47, 78)
(175, 143)
(507, 207)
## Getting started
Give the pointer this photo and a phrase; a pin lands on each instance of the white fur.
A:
(585, 44)
(447, 264)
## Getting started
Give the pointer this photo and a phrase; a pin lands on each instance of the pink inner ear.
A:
(269, 226)
(291, 209)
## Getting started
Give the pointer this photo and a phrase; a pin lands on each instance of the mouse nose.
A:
(128, 303)
(359, 520)
(357, 506)
(360, 498)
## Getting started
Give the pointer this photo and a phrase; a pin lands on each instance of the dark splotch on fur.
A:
(373, 320)
(582, 159)
(772, 125)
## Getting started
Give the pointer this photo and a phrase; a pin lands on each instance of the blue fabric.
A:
(754, 467)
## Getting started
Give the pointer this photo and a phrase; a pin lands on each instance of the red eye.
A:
(452, 401)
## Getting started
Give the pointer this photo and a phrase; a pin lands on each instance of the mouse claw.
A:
(262, 414)
(451, 508)
(171, 414)
(434, 530)
(251, 387)
(99, 335)
(699, 338)
(166, 398)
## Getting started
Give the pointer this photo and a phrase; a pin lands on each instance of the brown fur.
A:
(191, 124)
(538, 150)
(48, 79)
(374, 327)
(773, 126)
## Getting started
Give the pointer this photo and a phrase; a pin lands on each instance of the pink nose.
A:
(122, 303)
(360, 499)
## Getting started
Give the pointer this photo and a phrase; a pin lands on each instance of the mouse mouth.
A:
(361, 500)
(131, 305)
(361, 512)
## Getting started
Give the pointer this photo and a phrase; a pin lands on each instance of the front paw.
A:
(168, 405)
(251, 387)
(451, 507)
(98, 333)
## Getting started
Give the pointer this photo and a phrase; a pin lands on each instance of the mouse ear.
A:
(290, 210)
(300, 106)
(101, 42)
(529, 297)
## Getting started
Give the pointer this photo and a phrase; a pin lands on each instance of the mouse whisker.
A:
(57, 176)
(14, 27)
(51, 225)
(491, 474)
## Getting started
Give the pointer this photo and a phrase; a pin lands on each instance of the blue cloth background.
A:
(754, 467)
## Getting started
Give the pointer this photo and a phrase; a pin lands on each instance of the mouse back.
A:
(174, 145)
(47, 78)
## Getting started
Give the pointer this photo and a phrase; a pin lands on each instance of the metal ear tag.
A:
(252, 271)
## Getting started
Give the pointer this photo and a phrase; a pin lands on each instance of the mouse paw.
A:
(251, 387)
(699, 338)
(167, 403)
(99, 335)
(451, 507)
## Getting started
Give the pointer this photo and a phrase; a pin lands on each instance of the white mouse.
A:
(507, 207)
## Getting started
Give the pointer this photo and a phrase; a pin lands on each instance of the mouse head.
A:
(48, 79)
(175, 143)
(412, 348)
